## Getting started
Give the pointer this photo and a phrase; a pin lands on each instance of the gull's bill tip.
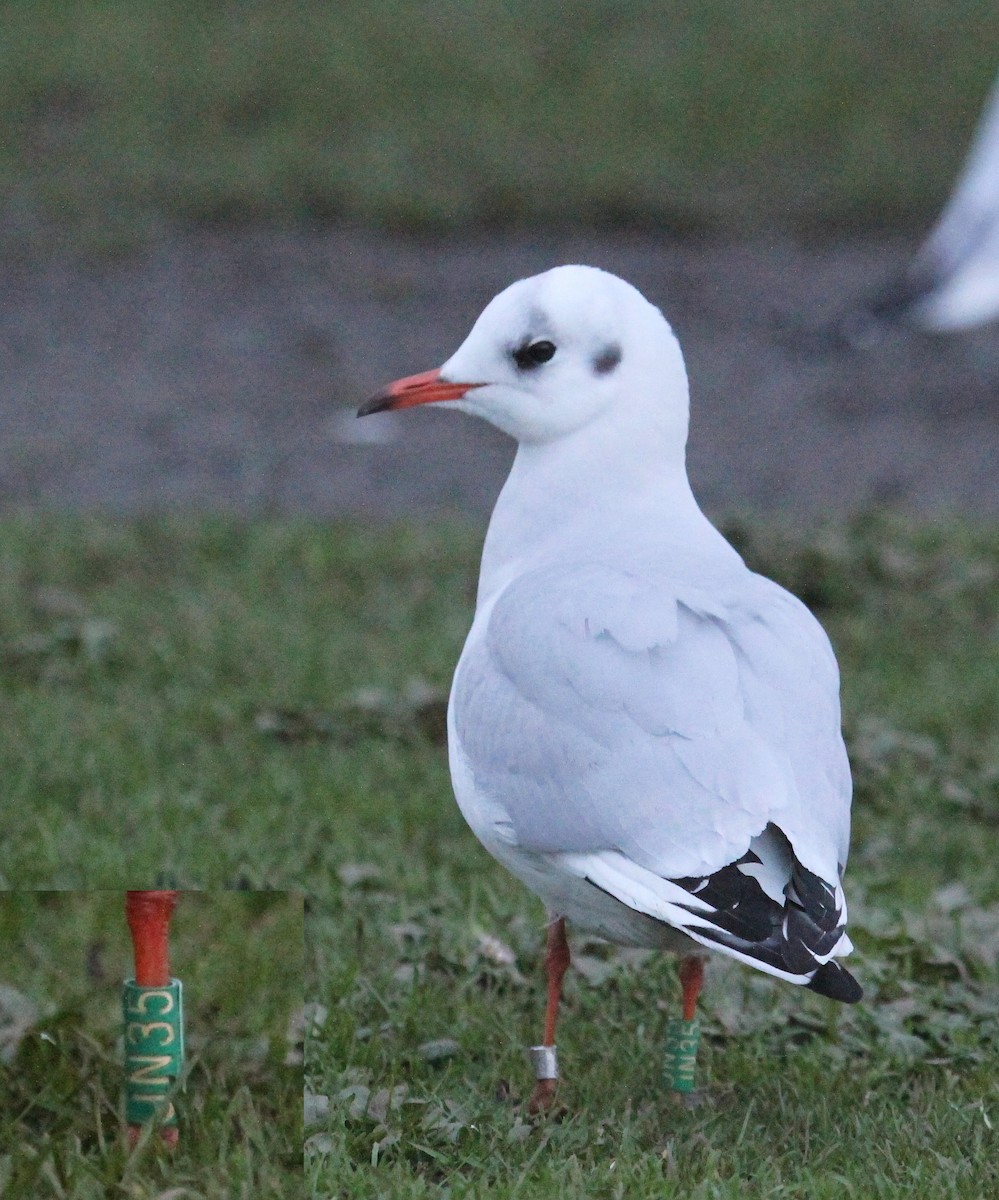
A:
(425, 388)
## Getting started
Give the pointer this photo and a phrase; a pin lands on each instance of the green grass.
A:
(212, 703)
(118, 114)
(177, 697)
(61, 1133)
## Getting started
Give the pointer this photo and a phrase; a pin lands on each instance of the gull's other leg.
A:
(544, 1057)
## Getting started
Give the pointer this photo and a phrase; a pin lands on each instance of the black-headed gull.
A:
(953, 281)
(640, 728)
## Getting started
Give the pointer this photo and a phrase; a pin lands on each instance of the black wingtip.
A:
(837, 983)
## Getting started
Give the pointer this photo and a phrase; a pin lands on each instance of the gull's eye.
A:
(533, 354)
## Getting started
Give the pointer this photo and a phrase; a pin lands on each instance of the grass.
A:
(61, 1132)
(119, 115)
(176, 697)
(211, 704)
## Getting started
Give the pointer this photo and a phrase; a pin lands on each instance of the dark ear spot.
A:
(607, 359)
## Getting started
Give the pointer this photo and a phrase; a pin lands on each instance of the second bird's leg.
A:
(154, 1029)
(557, 961)
(691, 980)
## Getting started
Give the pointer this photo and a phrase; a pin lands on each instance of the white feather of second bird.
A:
(957, 269)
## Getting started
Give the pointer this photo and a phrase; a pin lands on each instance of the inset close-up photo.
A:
(151, 1040)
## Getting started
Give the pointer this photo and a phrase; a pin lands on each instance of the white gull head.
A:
(587, 375)
(569, 348)
(573, 348)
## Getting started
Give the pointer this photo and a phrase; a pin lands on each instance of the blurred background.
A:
(223, 226)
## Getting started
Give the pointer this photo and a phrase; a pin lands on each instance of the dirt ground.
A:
(221, 369)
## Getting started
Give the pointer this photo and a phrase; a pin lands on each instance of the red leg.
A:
(692, 980)
(148, 915)
(557, 961)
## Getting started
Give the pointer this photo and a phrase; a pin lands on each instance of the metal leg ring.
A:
(545, 1062)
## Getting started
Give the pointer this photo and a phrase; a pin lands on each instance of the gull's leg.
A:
(691, 980)
(684, 1034)
(544, 1057)
(154, 1031)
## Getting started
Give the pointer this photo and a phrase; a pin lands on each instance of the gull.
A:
(952, 282)
(641, 729)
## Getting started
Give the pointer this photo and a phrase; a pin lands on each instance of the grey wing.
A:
(678, 751)
(606, 713)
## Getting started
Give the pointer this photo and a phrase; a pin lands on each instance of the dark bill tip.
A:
(379, 403)
(425, 388)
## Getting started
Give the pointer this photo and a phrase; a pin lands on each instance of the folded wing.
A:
(665, 743)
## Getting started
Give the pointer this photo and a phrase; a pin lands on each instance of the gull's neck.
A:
(598, 495)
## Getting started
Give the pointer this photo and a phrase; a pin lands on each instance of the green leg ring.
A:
(682, 1039)
(154, 1050)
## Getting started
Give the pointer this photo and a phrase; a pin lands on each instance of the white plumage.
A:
(953, 282)
(641, 729)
